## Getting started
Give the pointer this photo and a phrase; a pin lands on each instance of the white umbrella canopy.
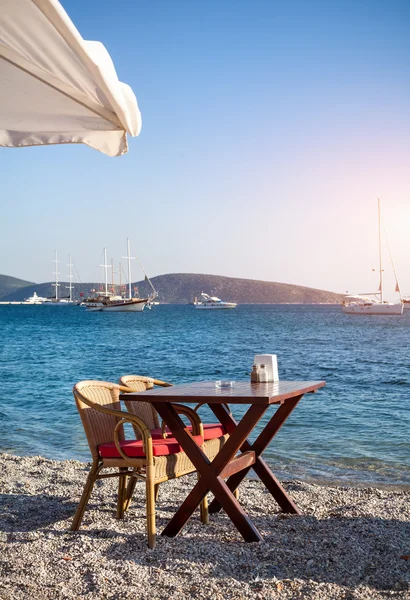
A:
(55, 87)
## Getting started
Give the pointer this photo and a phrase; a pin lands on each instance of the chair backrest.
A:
(98, 427)
(143, 410)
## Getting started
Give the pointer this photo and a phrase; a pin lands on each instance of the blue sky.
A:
(269, 130)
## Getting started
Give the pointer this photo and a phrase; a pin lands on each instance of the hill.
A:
(181, 288)
(11, 285)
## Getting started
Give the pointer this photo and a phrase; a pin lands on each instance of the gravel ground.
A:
(350, 543)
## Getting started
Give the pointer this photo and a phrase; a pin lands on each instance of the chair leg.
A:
(89, 484)
(129, 492)
(121, 500)
(236, 493)
(156, 492)
(150, 491)
(203, 509)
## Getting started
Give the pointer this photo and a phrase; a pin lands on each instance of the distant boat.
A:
(123, 305)
(111, 303)
(34, 299)
(212, 302)
(364, 305)
(373, 303)
(57, 299)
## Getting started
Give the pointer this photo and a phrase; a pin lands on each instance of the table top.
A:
(244, 392)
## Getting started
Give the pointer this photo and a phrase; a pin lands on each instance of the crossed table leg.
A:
(261, 443)
(227, 465)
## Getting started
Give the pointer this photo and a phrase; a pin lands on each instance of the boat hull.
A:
(128, 306)
(218, 306)
(373, 309)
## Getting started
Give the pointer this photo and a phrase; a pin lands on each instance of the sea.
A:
(354, 431)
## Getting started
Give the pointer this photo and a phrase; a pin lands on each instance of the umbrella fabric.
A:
(55, 87)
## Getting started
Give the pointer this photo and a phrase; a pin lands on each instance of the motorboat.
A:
(34, 299)
(212, 302)
(374, 303)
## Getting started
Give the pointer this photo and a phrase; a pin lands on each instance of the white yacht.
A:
(34, 299)
(363, 305)
(213, 302)
(374, 303)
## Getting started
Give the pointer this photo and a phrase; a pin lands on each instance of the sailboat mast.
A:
(56, 273)
(112, 276)
(380, 253)
(106, 267)
(129, 257)
(129, 268)
(106, 271)
(70, 278)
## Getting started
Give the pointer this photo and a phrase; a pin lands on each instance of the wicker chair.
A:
(154, 461)
(151, 458)
(214, 434)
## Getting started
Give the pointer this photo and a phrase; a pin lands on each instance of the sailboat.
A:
(56, 299)
(110, 303)
(374, 303)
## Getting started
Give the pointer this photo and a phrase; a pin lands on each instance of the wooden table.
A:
(226, 465)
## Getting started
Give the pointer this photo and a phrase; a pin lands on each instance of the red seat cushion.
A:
(135, 449)
(211, 431)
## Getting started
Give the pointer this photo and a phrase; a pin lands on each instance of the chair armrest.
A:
(162, 383)
(125, 417)
(148, 380)
(145, 436)
(192, 416)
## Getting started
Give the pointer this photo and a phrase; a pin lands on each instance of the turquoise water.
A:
(355, 430)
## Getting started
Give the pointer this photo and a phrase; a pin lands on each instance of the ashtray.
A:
(224, 384)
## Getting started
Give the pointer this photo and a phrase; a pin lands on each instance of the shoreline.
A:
(284, 475)
(388, 487)
(348, 543)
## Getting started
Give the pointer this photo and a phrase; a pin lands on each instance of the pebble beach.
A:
(350, 543)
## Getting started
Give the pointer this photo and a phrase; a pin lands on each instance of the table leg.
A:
(275, 487)
(230, 504)
(260, 467)
(209, 472)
